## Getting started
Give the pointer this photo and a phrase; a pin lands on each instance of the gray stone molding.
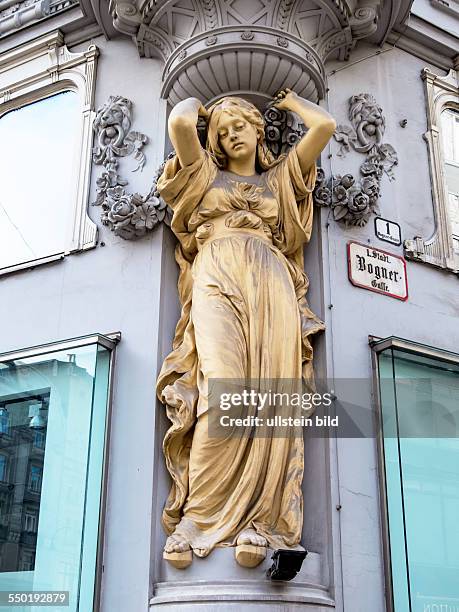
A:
(354, 201)
(128, 215)
(234, 45)
(14, 15)
(438, 249)
(253, 62)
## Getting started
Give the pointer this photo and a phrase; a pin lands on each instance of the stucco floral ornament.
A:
(353, 202)
(282, 130)
(129, 216)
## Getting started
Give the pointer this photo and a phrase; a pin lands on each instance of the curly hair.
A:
(238, 107)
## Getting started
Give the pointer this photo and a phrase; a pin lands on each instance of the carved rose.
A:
(145, 216)
(274, 115)
(115, 193)
(292, 138)
(358, 202)
(121, 212)
(347, 180)
(272, 134)
(322, 196)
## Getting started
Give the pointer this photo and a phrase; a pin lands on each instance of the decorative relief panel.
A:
(353, 201)
(127, 215)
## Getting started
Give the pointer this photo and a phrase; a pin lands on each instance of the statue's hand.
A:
(203, 112)
(286, 100)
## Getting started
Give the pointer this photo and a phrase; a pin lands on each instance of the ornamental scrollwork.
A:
(128, 215)
(353, 201)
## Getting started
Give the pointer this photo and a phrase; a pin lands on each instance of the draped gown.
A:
(244, 315)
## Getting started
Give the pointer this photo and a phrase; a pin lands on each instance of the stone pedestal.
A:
(219, 582)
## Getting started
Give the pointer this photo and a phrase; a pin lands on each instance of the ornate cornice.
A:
(199, 40)
(15, 15)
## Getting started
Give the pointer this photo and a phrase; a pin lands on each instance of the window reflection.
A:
(21, 472)
(37, 178)
(450, 139)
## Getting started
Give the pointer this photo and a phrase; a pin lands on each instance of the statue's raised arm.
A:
(320, 124)
(182, 130)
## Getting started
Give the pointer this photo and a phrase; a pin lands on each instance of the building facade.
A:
(90, 303)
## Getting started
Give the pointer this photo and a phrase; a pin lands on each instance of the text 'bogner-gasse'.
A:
(377, 270)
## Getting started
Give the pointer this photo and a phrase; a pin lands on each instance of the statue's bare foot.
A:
(177, 551)
(201, 551)
(250, 548)
(176, 543)
(250, 536)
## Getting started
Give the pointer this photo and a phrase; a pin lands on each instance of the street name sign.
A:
(377, 270)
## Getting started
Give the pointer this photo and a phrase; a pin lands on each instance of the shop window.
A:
(57, 398)
(419, 466)
(442, 137)
(46, 114)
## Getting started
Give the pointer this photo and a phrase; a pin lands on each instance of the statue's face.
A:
(237, 137)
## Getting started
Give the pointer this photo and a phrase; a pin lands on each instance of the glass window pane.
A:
(422, 479)
(37, 178)
(450, 140)
(52, 463)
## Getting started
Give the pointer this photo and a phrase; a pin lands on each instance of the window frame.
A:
(441, 93)
(31, 480)
(38, 70)
(379, 345)
(109, 342)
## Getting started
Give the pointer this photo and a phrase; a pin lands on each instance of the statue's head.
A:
(236, 130)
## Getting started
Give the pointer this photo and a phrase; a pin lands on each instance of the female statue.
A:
(241, 218)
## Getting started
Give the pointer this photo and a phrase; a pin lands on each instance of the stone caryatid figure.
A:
(241, 218)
